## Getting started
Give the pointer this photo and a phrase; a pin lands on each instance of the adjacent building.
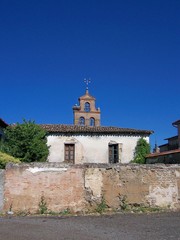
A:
(177, 125)
(173, 142)
(167, 153)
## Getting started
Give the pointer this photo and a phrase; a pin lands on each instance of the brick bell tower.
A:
(86, 113)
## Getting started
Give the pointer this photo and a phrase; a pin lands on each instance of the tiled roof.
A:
(163, 145)
(174, 137)
(163, 153)
(176, 123)
(61, 128)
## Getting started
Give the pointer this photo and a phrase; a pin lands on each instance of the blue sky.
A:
(130, 50)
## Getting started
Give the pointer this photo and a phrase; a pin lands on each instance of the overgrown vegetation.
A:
(141, 150)
(123, 202)
(43, 209)
(43, 206)
(102, 206)
(145, 209)
(64, 212)
(26, 141)
(125, 206)
(5, 158)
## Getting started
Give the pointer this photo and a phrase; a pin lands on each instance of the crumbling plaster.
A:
(79, 187)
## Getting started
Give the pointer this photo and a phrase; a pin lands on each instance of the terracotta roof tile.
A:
(62, 128)
(170, 138)
(163, 153)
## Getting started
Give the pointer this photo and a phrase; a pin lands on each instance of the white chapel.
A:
(86, 141)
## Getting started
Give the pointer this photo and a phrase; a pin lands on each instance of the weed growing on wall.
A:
(123, 202)
(65, 212)
(43, 206)
(102, 206)
(137, 208)
(62, 213)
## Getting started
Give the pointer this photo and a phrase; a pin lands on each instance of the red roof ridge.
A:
(91, 129)
(163, 153)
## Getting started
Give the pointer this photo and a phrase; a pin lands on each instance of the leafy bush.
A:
(5, 158)
(141, 150)
(26, 141)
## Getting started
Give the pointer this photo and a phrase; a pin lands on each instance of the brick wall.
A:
(79, 187)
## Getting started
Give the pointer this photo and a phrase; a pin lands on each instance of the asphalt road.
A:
(160, 226)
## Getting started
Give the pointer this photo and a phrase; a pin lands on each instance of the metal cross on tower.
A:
(87, 81)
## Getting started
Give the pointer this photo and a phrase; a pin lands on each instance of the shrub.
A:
(141, 150)
(5, 158)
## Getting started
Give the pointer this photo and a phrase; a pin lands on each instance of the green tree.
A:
(26, 141)
(141, 150)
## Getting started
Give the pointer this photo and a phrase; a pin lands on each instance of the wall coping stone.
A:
(92, 165)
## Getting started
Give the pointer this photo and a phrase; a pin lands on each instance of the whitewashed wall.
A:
(91, 149)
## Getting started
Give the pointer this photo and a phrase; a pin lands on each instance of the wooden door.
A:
(69, 153)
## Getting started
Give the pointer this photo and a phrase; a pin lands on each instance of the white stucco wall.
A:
(91, 149)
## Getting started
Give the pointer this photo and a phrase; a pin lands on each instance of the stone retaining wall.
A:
(82, 187)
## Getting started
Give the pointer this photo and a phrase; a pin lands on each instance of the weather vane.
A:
(87, 81)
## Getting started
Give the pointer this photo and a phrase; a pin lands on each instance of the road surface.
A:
(160, 226)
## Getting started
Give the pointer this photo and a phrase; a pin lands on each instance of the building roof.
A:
(176, 123)
(61, 128)
(171, 138)
(151, 155)
(3, 123)
(163, 145)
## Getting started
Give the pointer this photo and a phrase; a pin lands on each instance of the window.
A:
(92, 122)
(81, 121)
(87, 107)
(69, 153)
(113, 153)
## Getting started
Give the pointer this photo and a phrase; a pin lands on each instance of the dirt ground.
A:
(160, 226)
